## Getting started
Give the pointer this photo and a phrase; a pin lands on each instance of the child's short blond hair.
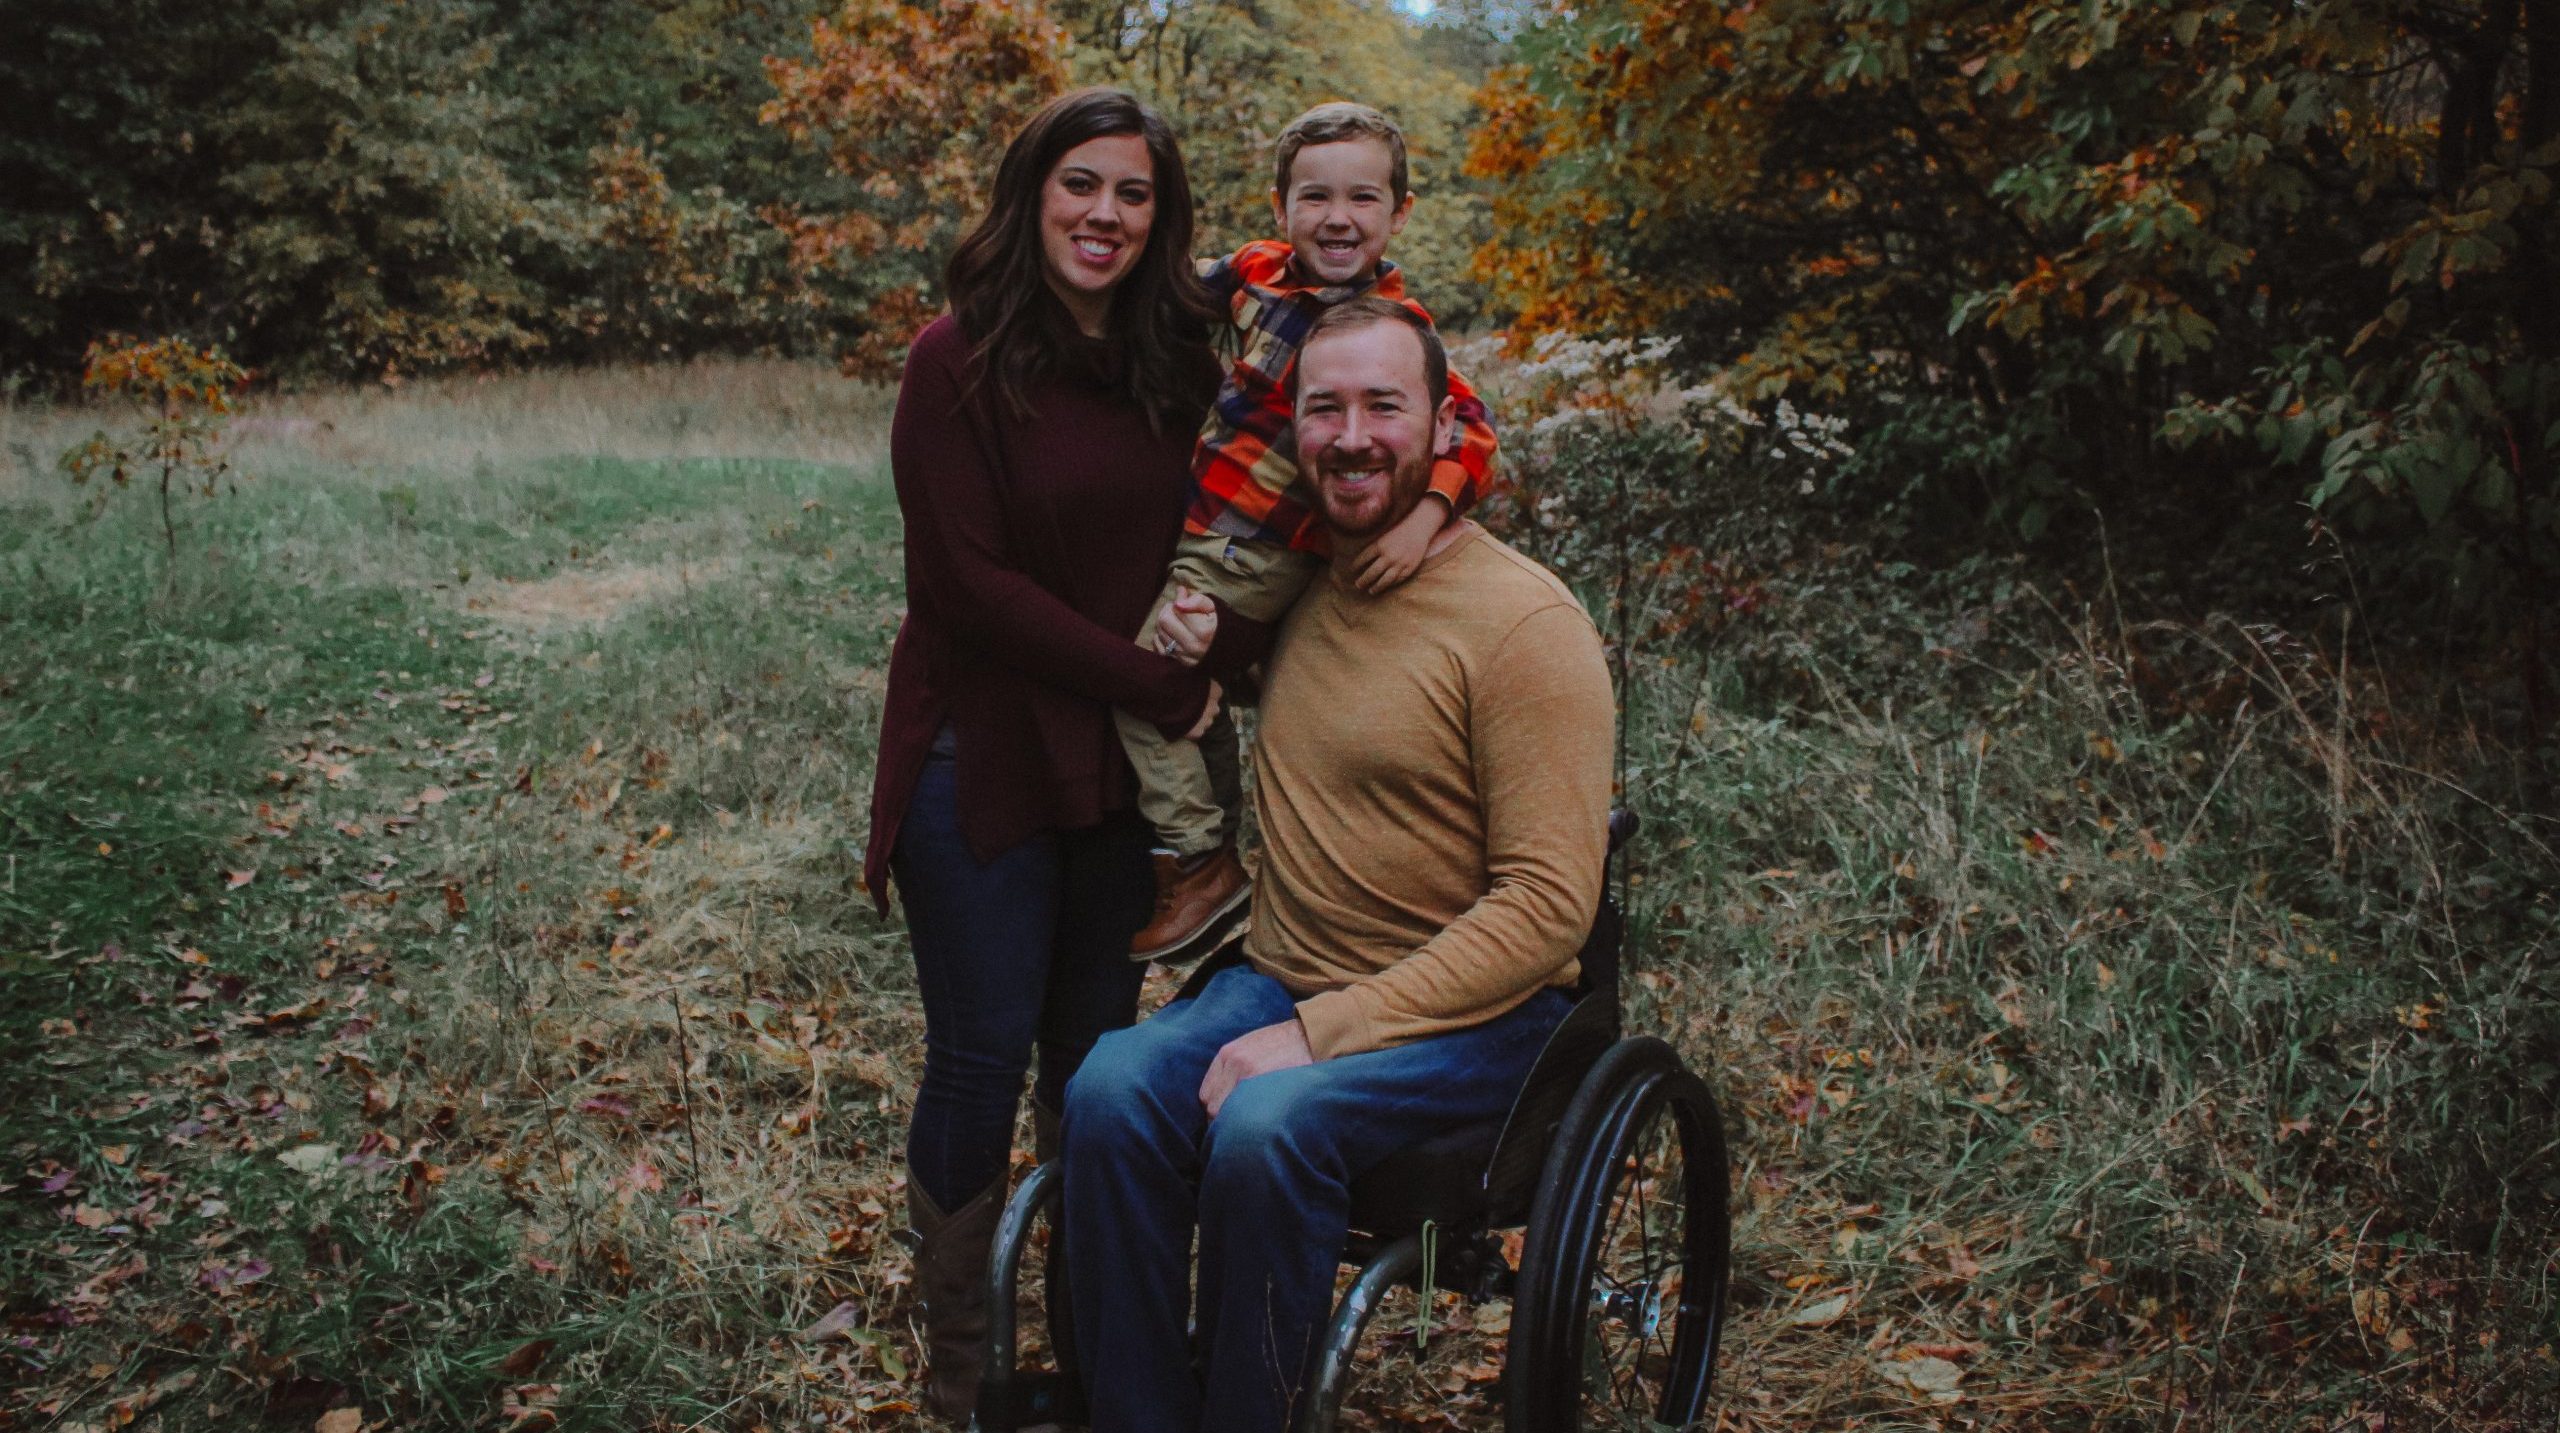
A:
(1333, 123)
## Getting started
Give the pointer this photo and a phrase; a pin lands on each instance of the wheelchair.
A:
(1611, 1162)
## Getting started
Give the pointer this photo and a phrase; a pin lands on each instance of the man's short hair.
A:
(1368, 311)
(1332, 124)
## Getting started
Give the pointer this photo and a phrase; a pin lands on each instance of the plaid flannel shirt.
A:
(1245, 466)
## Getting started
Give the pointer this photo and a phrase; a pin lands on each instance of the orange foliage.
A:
(914, 104)
(184, 394)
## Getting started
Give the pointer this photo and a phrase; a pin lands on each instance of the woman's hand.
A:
(1209, 713)
(1186, 626)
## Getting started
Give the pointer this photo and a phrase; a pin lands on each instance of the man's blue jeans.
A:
(1267, 1186)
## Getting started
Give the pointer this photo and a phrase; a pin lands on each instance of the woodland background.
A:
(2188, 263)
(2070, 487)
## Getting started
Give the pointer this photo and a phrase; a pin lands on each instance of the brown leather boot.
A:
(951, 1279)
(1194, 909)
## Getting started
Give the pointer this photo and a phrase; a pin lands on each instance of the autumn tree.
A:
(381, 222)
(2203, 259)
(109, 191)
(913, 104)
(1228, 76)
(331, 188)
(179, 397)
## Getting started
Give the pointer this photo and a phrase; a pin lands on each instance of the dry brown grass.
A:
(707, 409)
(2103, 1043)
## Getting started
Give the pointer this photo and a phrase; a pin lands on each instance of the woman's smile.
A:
(1096, 209)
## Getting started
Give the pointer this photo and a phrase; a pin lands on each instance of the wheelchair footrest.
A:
(1028, 1399)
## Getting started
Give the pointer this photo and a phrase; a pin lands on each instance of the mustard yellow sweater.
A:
(1432, 781)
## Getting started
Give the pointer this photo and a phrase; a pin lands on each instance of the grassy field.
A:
(435, 986)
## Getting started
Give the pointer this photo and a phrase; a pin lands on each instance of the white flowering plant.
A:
(1670, 497)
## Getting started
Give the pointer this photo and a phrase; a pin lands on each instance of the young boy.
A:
(1253, 538)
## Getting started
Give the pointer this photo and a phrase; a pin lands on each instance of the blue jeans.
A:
(1267, 1186)
(1029, 951)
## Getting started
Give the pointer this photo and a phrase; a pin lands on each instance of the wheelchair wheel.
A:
(1011, 1396)
(1624, 1265)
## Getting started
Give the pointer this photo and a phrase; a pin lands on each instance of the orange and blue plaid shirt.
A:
(1245, 466)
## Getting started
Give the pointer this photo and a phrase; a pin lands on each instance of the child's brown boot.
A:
(1198, 901)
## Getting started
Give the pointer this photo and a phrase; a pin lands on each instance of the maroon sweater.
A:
(1034, 548)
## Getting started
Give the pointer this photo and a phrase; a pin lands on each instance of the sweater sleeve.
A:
(1463, 475)
(1539, 722)
(952, 499)
(1239, 643)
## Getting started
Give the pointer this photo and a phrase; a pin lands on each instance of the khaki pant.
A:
(1186, 789)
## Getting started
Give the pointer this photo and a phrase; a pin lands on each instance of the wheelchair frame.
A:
(1565, 1165)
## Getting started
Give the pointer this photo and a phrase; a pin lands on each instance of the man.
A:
(1432, 783)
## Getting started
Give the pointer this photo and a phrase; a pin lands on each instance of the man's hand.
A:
(1209, 713)
(1256, 1052)
(1398, 552)
(1186, 626)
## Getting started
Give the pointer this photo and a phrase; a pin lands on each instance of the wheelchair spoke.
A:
(1637, 1278)
(1623, 1323)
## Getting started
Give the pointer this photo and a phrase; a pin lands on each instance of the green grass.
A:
(2155, 1021)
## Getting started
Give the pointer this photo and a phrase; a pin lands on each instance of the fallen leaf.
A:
(433, 796)
(312, 1159)
(840, 1320)
(1821, 1313)
(527, 1407)
(526, 1358)
(237, 879)
(340, 1420)
(1933, 1378)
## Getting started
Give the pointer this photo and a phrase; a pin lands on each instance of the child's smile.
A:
(1341, 208)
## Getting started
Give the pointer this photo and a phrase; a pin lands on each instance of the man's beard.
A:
(1404, 487)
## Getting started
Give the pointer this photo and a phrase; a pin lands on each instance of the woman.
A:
(1041, 452)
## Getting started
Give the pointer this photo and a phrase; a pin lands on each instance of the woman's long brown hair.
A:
(999, 287)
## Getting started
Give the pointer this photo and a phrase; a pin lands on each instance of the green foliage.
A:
(379, 217)
(1229, 76)
(109, 189)
(2186, 263)
(2037, 948)
(361, 187)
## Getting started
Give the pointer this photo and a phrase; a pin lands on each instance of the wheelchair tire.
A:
(1625, 1262)
(1010, 1396)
